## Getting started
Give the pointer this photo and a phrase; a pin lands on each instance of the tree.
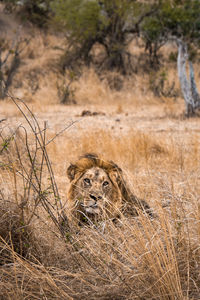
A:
(9, 61)
(173, 18)
(112, 24)
(177, 20)
(154, 36)
(188, 87)
(182, 20)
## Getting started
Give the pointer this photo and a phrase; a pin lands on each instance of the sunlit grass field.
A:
(137, 258)
(158, 149)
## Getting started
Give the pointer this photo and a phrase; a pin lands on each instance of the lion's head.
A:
(97, 189)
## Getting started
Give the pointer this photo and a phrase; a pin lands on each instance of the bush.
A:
(111, 24)
(35, 11)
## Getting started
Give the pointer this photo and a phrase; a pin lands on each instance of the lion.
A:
(98, 191)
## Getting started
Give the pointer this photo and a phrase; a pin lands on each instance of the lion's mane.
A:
(122, 199)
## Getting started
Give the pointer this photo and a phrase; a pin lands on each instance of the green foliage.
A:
(79, 17)
(173, 18)
(182, 18)
(105, 22)
(152, 29)
(109, 23)
(85, 18)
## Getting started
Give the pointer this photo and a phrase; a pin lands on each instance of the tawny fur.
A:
(98, 190)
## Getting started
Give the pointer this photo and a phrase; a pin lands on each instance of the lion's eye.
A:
(87, 181)
(105, 183)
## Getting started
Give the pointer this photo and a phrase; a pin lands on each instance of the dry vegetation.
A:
(159, 150)
(138, 258)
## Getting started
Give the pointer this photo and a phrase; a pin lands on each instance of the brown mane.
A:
(88, 161)
(125, 199)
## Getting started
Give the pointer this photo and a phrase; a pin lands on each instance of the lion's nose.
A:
(95, 198)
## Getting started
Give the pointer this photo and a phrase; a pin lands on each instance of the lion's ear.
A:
(115, 176)
(116, 172)
(71, 172)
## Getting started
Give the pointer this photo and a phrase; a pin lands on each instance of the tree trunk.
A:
(188, 87)
(6, 76)
(194, 91)
(1, 77)
(12, 70)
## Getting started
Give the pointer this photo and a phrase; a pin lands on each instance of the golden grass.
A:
(138, 258)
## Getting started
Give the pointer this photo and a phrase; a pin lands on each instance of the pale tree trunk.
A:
(195, 94)
(188, 87)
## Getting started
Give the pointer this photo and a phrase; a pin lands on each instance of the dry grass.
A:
(159, 151)
(138, 258)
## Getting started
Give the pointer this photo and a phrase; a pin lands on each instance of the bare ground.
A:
(90, 118)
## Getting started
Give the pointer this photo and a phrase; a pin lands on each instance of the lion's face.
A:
(94, 190)
(97, 190)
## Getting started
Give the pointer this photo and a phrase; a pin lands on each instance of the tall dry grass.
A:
(44, 257)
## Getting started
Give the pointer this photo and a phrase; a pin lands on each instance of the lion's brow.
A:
(96, 173)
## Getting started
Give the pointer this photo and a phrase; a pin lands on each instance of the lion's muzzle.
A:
(93, 204)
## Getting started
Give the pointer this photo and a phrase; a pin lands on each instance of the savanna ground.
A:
(148, 137)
